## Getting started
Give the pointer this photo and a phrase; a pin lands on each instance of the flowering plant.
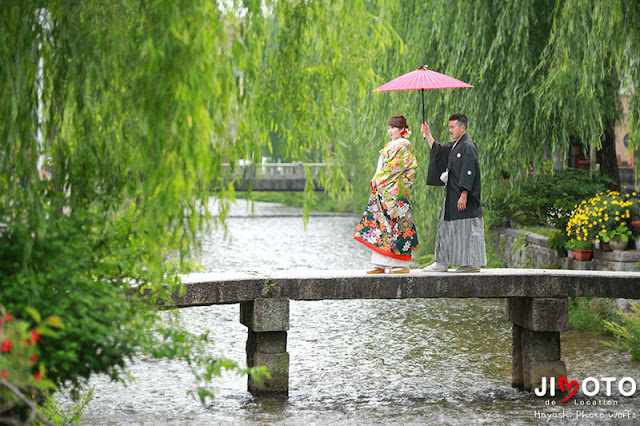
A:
(599, 216)
(20, 370)
(405, 133)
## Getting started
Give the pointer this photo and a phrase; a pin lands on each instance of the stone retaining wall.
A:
(523, 249)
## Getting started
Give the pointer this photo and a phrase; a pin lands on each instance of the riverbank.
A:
(314, 201)
(520, 248)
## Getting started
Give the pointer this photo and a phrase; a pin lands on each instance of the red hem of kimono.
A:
(382, 252)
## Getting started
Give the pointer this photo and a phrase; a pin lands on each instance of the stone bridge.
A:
(536, 305)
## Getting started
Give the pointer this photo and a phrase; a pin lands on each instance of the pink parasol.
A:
(422, 79)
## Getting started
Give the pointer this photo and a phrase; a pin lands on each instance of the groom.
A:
(460, 236)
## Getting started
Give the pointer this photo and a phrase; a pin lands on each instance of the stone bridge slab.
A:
(536, 305)
(225, 288)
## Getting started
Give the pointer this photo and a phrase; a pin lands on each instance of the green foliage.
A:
(495, 249)
(21, 371)
(424, 259)
(520, 244)
(68, 414)
(627, 332)
(67, 276)
(542, 199)
(269, 288)
(621, 232)
(104, 192)
(576, 244)
(558, 240)
(592, 313)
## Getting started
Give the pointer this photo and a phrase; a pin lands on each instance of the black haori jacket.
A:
(464, 173)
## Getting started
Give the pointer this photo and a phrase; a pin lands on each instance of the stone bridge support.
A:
(537, 323)
(268, 322)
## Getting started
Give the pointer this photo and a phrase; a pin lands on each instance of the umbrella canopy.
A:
(422, 79)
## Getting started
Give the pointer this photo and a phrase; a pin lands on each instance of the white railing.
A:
(295, 170)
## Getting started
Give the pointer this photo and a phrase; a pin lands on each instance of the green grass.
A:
(540, 230)
(587, 313)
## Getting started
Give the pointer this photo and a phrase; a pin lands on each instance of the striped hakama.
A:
(460, 242)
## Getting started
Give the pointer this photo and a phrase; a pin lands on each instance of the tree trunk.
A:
(607, 156)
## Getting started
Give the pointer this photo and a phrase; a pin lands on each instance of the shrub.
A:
(85, 273)
(628, 333)
(558, 240)
(545, 199)
(66, 276)
(22, 371)
(592, 313)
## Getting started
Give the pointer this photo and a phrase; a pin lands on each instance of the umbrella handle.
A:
(423, 117)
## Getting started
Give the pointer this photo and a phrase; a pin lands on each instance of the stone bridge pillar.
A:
(537, 323)
(268, 322)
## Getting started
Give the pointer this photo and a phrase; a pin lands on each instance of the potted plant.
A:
(581, 250)
(634, 223)
(618, 237)
(604, 217)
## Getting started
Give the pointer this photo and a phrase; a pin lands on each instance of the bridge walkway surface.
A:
(536, 305)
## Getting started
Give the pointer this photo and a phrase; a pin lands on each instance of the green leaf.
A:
(33, 313)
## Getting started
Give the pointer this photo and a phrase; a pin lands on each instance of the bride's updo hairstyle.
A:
(398, 121)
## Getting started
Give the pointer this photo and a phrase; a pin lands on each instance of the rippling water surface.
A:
(440, 361)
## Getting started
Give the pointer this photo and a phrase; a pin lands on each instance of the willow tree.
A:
(117, 119)
(545, 72)
(110, 148)
(109, 113)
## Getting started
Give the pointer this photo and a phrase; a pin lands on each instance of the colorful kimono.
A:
(387, 225)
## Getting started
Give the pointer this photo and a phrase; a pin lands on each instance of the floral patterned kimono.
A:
(387, 225)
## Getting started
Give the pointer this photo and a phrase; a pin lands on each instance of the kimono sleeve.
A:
(469, 171)
(411, 164)
(437, 164)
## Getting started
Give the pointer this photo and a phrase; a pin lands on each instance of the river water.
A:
(440, 361)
